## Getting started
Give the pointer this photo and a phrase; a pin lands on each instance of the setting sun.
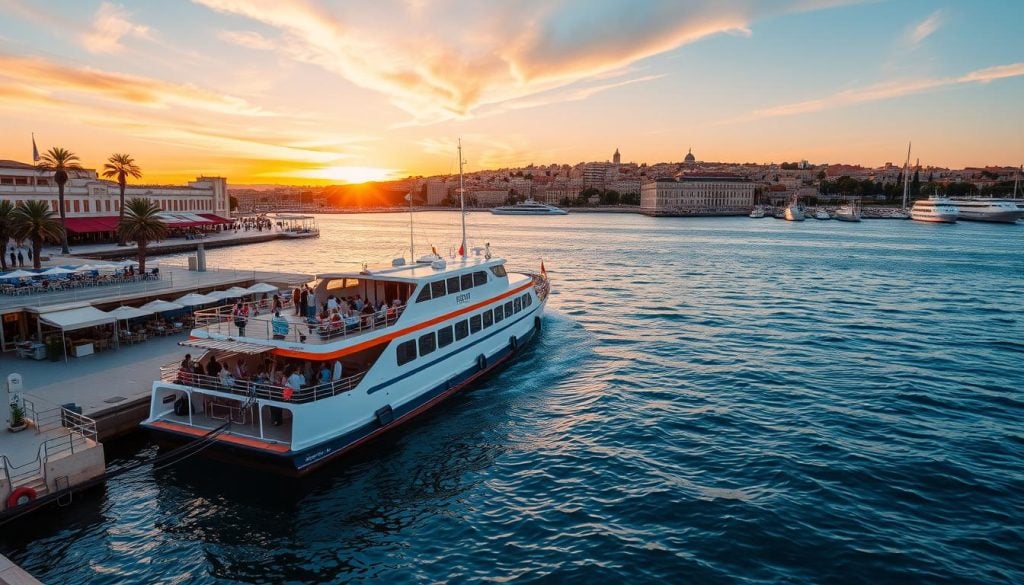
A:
(343, 174)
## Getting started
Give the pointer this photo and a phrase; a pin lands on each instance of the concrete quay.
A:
(11, 574)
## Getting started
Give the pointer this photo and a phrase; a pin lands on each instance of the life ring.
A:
(513, 342)
(21, 496)
(481, 362)
(287, 392)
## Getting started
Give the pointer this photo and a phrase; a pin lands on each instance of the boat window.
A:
(428, 343)
(474, 324)
(499, 314)
(517, 304)
(444, 336)
(527, 301)
(508, 309)
(479, 278)
(437, 289)
(461, 330)
(453, 285)
(467, 281)
(424, 294)
(406, 352)
(499, 271)
(488, 319)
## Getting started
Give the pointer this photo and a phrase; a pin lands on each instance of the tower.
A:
(616, 158)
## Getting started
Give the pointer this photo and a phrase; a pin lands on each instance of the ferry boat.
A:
(986, 209)
(757, 213)
(529, 207)
(297, 226)
(307, 391)
(934, 210)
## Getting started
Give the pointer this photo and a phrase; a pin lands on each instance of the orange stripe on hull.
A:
(306, 355)
(236, 439)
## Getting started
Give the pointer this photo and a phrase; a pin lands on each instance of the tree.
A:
(33, 220)
(121, 166)
(6, 230)
(915, 185)
(142, 223)
(59, 161)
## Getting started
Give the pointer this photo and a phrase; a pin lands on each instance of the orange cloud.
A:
(110, 24)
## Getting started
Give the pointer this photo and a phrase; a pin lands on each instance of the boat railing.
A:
(81, 435)
(248, 388)
(260, 325)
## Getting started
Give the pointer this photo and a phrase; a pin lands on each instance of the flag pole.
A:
(462, 203)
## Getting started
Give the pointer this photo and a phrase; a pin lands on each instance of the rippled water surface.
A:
(711, 400)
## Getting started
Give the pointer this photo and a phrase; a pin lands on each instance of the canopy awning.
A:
(79, 318)
(194, 299)
(161, 306)
(226, 345)
(121, 313)
(215, 218)
(262, 287)
(87, 225)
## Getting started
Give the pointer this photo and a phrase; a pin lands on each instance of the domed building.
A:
(690, 159)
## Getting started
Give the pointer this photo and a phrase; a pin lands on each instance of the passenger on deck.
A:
(296, 380)
(325, 373)
(241, 370)
(279, 325)
(336, 375)
(226, 379)
(213, 368)
(185, 370)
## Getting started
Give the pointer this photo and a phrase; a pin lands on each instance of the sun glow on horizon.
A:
(343, 174)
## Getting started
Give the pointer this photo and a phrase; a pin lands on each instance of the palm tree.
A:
(121, 166)
(6, 230)
(33, 220)
(142, 224)
(59, 161)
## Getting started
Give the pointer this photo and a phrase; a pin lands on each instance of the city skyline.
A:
(313, 92)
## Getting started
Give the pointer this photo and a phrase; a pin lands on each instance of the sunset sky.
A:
(307, 91)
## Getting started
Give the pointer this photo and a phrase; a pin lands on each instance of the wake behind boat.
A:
(529, 207)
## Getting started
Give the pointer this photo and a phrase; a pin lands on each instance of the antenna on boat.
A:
(462, 203)
(906, 169)
(412, 244)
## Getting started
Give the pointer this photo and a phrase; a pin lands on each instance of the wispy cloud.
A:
(884, 91)
(473, 55)
(246, 38)
(916, 34)
(110, 24)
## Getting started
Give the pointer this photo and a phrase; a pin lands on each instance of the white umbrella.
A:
(194, 299)
(222, 294)
(262, 287)
(121, 313)
(127, 263)
(159, 306)
(19, 274)
(56, 270)
(239, 291)
(85, 268)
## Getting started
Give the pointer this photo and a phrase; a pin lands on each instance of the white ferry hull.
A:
(402, 397)
(934, 217)
(991, 216)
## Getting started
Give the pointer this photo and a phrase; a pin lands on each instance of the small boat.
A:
(934, 210)
(297, 226)
(794, 211)
(822, 215)
(847, 212)
(757, 213)
(529, 207)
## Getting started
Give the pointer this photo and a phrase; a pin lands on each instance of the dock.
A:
(11, 574)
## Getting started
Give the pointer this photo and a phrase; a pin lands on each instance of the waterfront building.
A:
(437, 192)
(703, 194)
(93, 205)
(488, 197)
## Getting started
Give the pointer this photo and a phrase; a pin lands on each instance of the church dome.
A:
(689, 157)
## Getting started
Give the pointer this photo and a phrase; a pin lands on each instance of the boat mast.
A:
(462, 203)
(1016, 179)
(906, 170)
(412, 244)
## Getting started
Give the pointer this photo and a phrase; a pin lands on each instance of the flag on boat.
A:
(542, 270)
(35, 151)
(462, 250)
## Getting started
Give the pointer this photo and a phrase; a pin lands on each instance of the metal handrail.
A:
(81, 430)
(172, 373)
(220, 320)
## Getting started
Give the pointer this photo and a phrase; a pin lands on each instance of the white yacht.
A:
(848, 212)
(822, 215)
(292, 393)
(793, 212)
(529, 207)
(986, 209)
(934, 210)
(757, 213)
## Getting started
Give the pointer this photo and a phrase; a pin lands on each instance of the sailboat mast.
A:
(412, 244)
(462, 202)
(906, 170)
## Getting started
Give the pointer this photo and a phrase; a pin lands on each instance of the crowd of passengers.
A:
(348, 313)
(288, 374)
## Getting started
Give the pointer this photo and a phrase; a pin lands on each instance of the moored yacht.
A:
(848, 212)
(529, 207)
(794, 211)
(986, 209)
(822, 214)
(934, 210)
(757, 213)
